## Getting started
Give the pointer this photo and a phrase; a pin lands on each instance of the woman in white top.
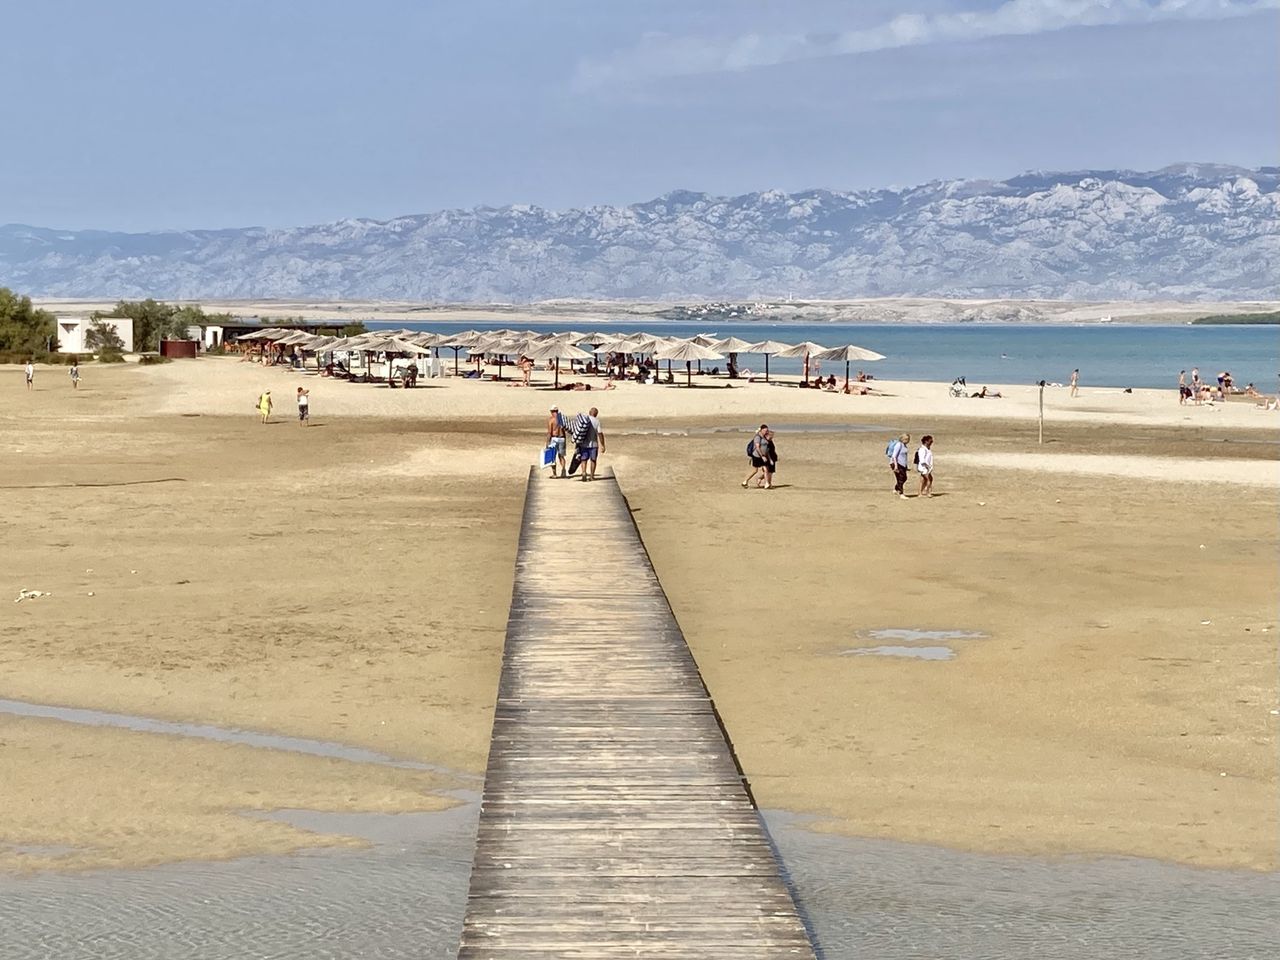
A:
(924, 463)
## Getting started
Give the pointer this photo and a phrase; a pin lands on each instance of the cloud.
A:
(659, 55)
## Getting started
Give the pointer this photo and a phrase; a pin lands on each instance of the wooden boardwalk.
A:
(615, 822)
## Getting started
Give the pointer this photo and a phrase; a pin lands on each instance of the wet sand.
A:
(349, 582)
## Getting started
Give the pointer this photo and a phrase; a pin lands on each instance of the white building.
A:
(72, 331)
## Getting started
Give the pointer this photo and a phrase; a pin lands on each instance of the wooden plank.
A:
(615, 819)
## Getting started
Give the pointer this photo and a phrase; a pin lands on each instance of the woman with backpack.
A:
(896, 452)
(758, 454)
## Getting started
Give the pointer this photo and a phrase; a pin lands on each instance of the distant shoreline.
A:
(887, 311)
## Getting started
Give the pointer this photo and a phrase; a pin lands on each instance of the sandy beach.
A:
(349, 582)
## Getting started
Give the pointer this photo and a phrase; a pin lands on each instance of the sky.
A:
(150, 114)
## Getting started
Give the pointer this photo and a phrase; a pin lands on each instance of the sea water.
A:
(1108, 355)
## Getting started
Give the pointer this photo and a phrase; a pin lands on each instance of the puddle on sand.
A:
(777, 427)
(201, 731)
(915, 653)
(910, 635)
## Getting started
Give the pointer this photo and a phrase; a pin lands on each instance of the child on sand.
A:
(304, 406)
(264, 405)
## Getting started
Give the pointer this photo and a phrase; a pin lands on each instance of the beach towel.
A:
(548, 456)
(578, 429)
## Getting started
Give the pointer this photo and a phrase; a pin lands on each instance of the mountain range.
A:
(1189, 232)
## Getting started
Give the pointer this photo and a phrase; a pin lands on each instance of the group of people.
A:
(29, 373)
(1199, 391)
(900, 462)
(587, 434)
(265, 405)
(763, 454)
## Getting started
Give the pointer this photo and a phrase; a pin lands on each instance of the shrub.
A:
(147, 359)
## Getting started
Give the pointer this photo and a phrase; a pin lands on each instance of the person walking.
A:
(757, 454)
(264, 405)
(1075, 382)
(897, 455)
(592, 445)
(770, 460)
(304, 406)
(924, 465)
(75, 375)
(555, 439)
(30, 371)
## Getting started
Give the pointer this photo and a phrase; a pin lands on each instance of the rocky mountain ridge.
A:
(1190, 232)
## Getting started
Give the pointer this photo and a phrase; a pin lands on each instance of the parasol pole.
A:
(1042, 411)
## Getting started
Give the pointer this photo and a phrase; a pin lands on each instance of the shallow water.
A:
(911, 635)
(404, 898)
(777, 427)
(915, 653)
(893, 901)
(201, 731)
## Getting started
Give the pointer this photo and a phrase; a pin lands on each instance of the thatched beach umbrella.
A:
(557, 351)
(456, 341)
(731, 346)
(804, 349)
(847, 353)
(767, 347)
(688, 351)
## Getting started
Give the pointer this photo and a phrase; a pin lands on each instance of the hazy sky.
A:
(144, 114)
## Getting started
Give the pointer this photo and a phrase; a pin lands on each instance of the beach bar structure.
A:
(615, 820)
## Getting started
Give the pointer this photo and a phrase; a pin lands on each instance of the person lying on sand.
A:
(985, 394)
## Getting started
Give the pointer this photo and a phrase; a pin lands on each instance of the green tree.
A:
(103, 340)
(151, 321)
(24, 327)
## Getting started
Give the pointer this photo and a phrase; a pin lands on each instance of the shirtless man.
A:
(555, 438)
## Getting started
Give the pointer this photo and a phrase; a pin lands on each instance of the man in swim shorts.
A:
(555, 439)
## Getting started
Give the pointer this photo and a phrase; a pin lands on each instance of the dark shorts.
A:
(304, 413)
(588, 453)
(758, 462)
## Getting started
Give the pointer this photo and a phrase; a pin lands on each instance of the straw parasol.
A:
(804, 349)
(456, 341)
(731, 347)
(557, 350)
(848, 353)
(688, 351)
(264, 334)
(767, 347)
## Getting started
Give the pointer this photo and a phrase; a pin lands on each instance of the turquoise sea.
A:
(1108, 355)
